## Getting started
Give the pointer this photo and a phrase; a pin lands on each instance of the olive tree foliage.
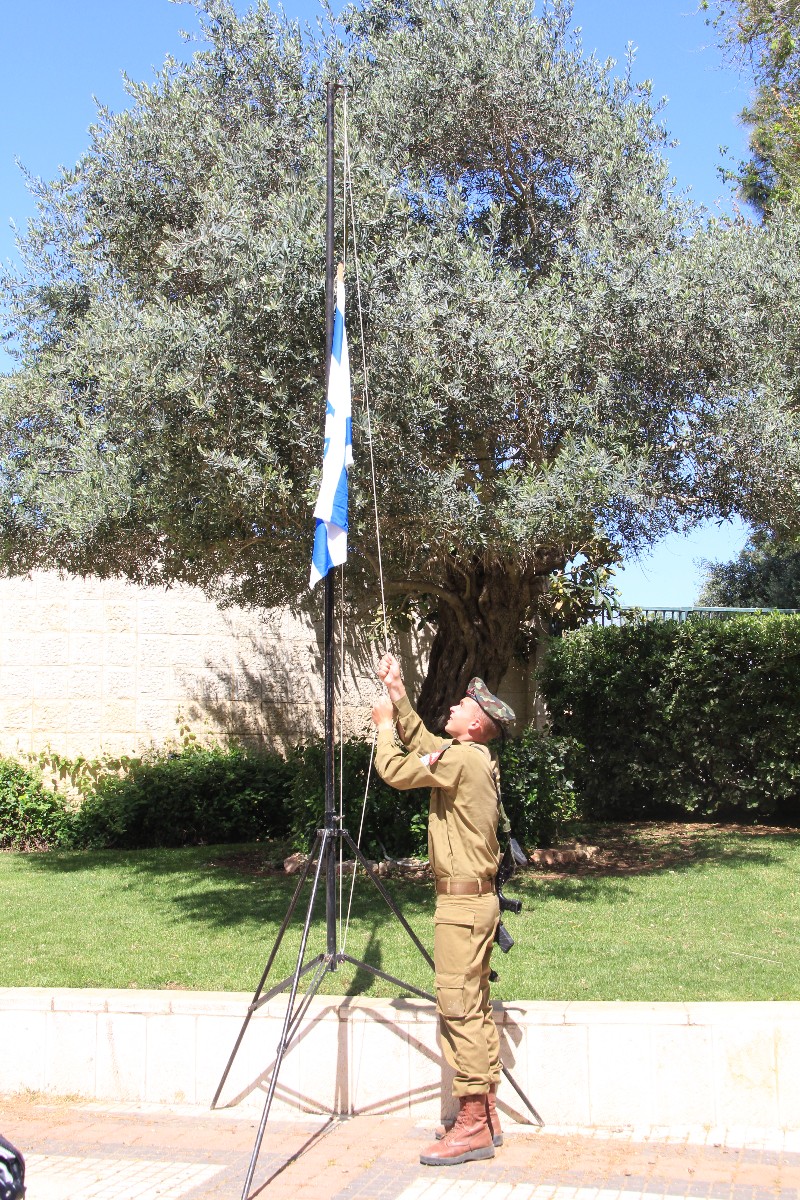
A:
(764, 36)
(566, 358)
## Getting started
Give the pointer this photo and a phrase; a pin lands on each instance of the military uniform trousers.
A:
(464, 929)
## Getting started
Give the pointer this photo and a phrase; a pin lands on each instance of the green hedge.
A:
(539, 794)
(31, 817)
(198, 796)
(696, 719)
(203, 796)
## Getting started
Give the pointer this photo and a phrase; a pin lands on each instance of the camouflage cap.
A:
(492, 705)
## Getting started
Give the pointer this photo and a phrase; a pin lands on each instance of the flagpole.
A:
(330, 875)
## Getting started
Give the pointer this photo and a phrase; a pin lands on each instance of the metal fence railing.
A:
(631, 614)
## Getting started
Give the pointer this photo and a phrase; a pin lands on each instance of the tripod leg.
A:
(289, 1027)
(388, 898)
(254, 1003)
(285, 1038)
(522, 1095)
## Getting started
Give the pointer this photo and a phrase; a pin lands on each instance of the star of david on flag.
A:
(330, 539)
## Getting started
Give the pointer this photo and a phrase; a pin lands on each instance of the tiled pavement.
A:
(78, 1151)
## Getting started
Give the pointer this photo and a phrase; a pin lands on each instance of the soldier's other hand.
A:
(383, 713)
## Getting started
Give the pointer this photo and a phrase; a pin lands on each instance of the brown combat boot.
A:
(469, 1139)
(492, 1115)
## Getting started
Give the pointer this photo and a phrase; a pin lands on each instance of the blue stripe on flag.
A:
(339, 506)
(338, 335)
(320, 559)
(330, 537)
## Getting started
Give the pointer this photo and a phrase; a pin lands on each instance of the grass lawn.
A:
(664, 913)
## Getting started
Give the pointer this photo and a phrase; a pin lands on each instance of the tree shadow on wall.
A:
(269, 694)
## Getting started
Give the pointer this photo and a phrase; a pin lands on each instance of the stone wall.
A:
(90, 667)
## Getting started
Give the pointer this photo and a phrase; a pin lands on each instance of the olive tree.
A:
(566, 357)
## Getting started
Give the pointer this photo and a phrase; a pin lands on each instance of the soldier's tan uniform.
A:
(462, 847)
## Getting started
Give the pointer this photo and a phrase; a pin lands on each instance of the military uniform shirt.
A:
(464, 809)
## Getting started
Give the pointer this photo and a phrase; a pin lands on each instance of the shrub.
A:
(31, 817)
(199, 795)
(394, 821)
(539, 794)
(699, 719)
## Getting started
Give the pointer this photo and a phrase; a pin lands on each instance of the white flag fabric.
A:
(330, 539)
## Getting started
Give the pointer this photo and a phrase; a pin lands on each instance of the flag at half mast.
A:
(330, 539)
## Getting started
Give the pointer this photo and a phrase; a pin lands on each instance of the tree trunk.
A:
(476, 633)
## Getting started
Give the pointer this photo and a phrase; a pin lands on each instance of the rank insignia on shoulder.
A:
(430, 760)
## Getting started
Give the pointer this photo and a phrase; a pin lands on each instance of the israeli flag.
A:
(330, 540)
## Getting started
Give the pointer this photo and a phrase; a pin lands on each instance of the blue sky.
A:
(59, 56)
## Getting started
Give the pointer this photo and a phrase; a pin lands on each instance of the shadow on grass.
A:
(199, 885)
(232, 885)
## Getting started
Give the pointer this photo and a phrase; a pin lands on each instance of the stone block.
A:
(557, 1075)
(246, 686)
(17, 715)
(121, 1056)
(85, 682)
(16, 681)
(120, 616)
(746, 1073)
(683, 1075)
(375, 1038)
(154, 612)
(321, 1056)
(120, 650)
(48, 649)
(86, 613)
(621, 1075)
(156, 681)
(50, 682)
(84, 587)
(53, 613)
(170, 1061)
(50, 716)
(787, 1044)
(86, 714)
(119, 682)
(204, 685)
(430, 1079)
(23, 1061)
(86, 648)
(71, 1041)
(251, 1071)
(156, 718)
(119, 716)
(193, 650)
(154, 649)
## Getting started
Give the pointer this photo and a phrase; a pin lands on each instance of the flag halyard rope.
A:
(347, 194)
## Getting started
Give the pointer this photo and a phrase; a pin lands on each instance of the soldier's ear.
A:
(476, 730)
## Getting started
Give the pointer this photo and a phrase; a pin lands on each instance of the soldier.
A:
(464, 855)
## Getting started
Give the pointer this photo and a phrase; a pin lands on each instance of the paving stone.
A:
(88, 1152)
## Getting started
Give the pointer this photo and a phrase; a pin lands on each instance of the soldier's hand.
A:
(383, 713)
(389, 673)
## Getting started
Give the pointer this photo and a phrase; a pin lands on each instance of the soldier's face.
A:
(462, 717)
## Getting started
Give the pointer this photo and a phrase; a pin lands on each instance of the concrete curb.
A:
(583, 1064)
